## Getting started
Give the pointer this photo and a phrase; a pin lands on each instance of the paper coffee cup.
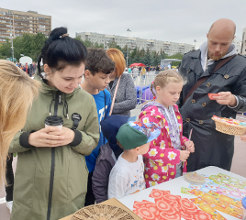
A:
(56, 121)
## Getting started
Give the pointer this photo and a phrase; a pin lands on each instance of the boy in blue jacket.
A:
(96, 79)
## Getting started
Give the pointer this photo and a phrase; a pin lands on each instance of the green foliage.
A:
(175, 63)
(27, 44)
(178, 56)
(113, 44)
(5, 50)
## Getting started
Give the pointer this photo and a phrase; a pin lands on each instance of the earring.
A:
(43, 75)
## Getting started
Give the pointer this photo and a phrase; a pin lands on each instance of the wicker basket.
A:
(227, 128)
(102, 212)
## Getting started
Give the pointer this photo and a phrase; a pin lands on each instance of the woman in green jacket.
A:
(51, 174)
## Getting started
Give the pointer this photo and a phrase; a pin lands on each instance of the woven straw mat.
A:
(102, 212)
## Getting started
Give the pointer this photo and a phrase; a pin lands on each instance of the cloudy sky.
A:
(168, 20)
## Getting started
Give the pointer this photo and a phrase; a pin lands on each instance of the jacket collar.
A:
(196, 54)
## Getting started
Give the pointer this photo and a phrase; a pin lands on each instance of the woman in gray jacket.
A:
(126, 96)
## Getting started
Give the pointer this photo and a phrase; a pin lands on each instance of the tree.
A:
(177, 56)
(147, 58)
(113, 44)
(5, 50)
(37, 45)
(156, 59)
(27, 44)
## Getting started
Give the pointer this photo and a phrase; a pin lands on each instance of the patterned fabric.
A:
(174, 128)
(162, 157)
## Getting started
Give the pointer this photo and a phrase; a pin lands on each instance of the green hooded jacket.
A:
(51, 183)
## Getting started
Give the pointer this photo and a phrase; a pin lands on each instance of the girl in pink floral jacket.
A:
(168, 153)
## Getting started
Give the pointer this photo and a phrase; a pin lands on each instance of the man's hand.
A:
(243, 137)
(226, 98)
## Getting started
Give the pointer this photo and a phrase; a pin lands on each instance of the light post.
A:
(12, 35)
(106, 44)
(12, 47)
(126, 55)
(194, 44)
(127, 51)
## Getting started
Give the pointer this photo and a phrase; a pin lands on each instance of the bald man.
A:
(214, 68)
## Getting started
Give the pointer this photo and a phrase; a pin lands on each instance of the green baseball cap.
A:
(135, 134)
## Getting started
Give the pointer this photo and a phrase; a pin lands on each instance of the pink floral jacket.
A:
(162, 157)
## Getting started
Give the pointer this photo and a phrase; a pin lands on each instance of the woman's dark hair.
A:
(60, 49)
(98, 61)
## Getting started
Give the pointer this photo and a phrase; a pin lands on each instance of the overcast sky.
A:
(168, 20)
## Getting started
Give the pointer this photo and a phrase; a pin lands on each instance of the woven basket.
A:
(230, 129)
(102, 212)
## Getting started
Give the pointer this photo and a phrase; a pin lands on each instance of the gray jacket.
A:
(211, 147)
(126, 97)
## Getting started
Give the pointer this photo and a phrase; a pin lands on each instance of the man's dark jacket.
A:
(212, 148)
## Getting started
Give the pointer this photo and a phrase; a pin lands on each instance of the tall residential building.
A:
(243, 47)
(169, 48)
(16, 23)
(238, 45)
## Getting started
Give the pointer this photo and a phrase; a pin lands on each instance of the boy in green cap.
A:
(126, 177)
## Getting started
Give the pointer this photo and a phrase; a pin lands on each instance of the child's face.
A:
(169, 94)
(99, 81)
(144, 149)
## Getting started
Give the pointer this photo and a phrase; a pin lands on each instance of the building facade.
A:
(16, 23)
(243, 46)
(238, 45)
(169, 48)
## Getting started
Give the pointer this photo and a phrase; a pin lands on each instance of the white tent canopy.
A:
(25, 59)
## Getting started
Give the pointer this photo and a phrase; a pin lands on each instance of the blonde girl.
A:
(17, 91)
(164, 159)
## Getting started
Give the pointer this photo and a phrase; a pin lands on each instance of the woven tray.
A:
(102, 212)
(227, 128)
(194, 178)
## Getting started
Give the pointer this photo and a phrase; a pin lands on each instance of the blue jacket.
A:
(103, 103)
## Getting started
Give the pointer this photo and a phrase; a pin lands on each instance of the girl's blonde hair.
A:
(17, 91)
(118, 57)
(165, 77)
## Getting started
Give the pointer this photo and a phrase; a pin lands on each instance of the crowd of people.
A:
(30, 69)
(98, 152)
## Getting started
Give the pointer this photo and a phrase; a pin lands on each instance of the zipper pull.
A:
(59, 99)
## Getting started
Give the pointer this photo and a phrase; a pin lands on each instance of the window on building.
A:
(41, 28)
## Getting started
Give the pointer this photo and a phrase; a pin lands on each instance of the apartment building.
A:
(238, 45)
(169, 48)
(243, 46)
(16, 23)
